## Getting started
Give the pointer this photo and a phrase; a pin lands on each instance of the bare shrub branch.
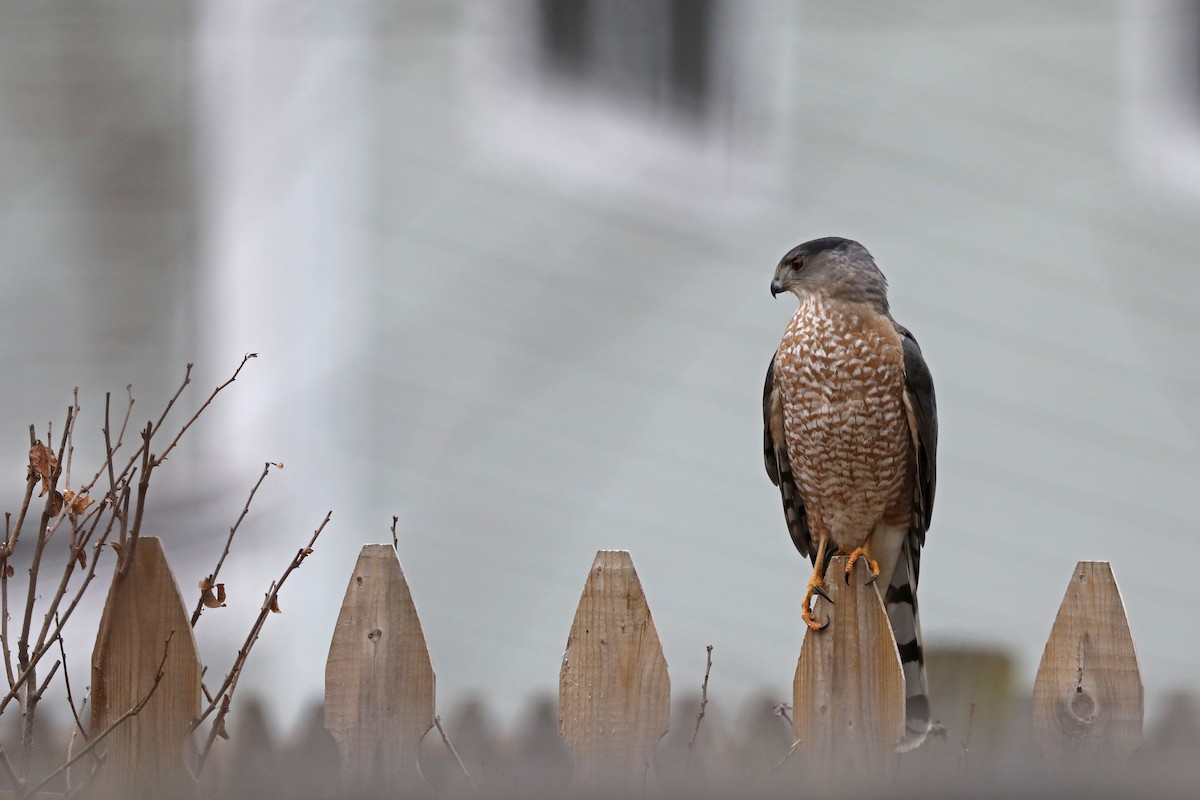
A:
(224, 693)
(202, 408)
(703, 706)
(62, 649)
(212, 578)
(437, 720)
(91, 525)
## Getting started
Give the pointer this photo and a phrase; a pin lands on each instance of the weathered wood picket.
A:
(614, 692)
(379, 682)
(1088, 698)
(848, 693)
(145, 644)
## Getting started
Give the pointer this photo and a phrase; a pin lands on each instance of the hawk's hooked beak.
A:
(776, 287)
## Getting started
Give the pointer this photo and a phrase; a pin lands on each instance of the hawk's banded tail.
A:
(900, 600)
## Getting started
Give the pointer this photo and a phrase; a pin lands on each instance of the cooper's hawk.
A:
(850, 438)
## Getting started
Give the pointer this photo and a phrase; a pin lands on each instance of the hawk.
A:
(850, 438)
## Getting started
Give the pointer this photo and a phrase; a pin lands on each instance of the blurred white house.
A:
(506, 268)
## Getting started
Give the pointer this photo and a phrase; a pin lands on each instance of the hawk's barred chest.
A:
(840, 371)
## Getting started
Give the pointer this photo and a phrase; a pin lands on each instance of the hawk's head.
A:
(832, 267)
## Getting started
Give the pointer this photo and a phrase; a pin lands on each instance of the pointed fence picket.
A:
(848, 693)
(1088, 695)
(379, 680)
(614, 691)
(144, 754)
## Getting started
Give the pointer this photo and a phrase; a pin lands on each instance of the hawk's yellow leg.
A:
(855, 555)
(816, 585)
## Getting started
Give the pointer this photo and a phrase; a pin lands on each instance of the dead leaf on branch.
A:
(8, 570)
(78, 503)
(81, 557)
(275, 605)
(42, 464)
(56, 503)
(208, 597)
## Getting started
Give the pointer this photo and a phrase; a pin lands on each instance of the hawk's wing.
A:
(900, 599)
(922, 418)
(779, 467)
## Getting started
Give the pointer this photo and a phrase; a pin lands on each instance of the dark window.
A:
(564, 34)
(655, 51)
(691, 48)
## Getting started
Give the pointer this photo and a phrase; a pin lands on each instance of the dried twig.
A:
(70, 752)
(110, 449)
(204, 687)
(965, 759)
(125, 474)
(50, 490)
(38, 652)
(67, 680)
(151, 461)
(48, 637)
(395, 539)
(14, 779)
(778, 764)
(129, 541)
(450, 746)
(4, 569)
(70, 458)
(217, 730)
(10, 545)
(205, 405)
(212, 578)
(703, 706)
(41, 690)
(781, 710)
(31, 483)
(79, 540)
(101, 758)
(225, 691)
(53, 507)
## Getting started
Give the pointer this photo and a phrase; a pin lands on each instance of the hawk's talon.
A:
(820, 589)
(872, 565)
(815, 587)
(811, 621)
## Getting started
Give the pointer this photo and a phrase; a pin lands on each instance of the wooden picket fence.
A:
(614, 692)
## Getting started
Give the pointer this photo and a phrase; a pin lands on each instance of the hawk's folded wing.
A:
(779, 467)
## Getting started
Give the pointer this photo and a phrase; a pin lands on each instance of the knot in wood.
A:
(375, 635)
(1078, 713)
